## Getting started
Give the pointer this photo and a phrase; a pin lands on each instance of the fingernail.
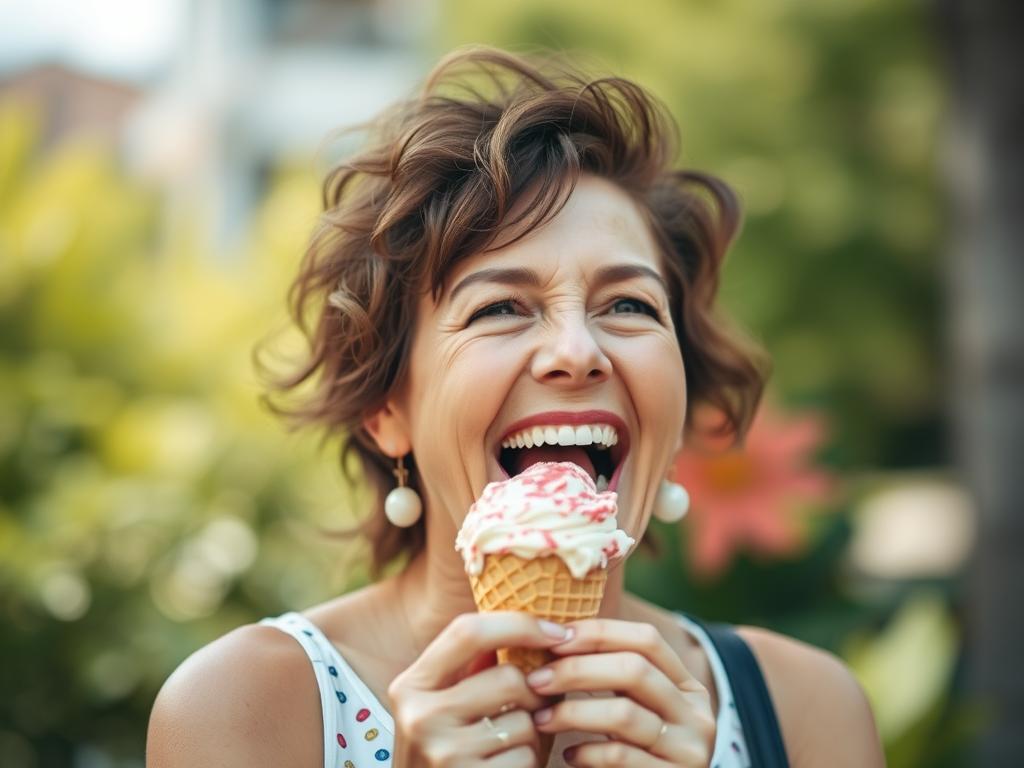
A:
(539, 677)
(542, 716)
(552, 629)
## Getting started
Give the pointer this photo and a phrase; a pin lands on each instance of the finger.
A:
(470, 634)
(487, 692)
(611, 753)
(505, 732)
(520, 757)
(603, 635)
(628, 673)
(620, 718)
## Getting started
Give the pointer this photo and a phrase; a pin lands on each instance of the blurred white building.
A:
(204, 97)
(255, 81)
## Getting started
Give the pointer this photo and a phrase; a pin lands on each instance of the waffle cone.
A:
(543, 587)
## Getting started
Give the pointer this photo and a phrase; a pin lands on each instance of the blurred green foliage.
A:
(139, 478)
(148, 505)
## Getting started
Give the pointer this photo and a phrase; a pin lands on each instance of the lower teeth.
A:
(602, 483)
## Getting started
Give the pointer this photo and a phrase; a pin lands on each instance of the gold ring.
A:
(503, 736)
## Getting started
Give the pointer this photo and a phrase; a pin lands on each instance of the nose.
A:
(570, 355)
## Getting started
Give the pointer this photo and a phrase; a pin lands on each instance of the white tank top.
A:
(359, 731)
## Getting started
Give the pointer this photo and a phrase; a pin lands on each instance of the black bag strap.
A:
(753, 702)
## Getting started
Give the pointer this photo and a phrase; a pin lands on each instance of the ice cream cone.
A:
(541, 542)
(542, 586)
(545, 588)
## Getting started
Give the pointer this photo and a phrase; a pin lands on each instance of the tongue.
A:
(527, 457)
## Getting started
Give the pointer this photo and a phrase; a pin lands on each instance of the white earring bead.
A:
(672, 503)
(403, 505)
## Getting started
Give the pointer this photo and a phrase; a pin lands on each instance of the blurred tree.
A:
(985, 167)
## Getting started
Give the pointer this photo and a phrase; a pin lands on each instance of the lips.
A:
(596, 440)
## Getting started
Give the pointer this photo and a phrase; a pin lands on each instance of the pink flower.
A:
(754, 497)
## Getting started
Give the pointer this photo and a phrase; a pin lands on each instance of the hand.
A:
(662, 715)
(444, 717)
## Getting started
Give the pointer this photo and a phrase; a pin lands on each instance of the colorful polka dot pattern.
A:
(359, 733)
(358, 738)
(362, 715)
(380, 755)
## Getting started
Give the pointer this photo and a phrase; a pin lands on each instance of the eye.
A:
(505, 307)
(631, 306)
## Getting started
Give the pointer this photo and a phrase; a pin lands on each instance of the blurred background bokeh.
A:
(159, 170)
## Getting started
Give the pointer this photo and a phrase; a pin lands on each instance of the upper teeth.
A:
(601, 435)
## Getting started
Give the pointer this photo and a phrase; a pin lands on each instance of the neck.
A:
(433, 588)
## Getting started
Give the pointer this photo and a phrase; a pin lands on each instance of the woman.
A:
(513, 245)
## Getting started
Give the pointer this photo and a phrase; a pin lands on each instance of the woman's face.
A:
(568, 327)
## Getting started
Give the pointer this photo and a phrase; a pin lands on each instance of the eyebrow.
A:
(616, 273)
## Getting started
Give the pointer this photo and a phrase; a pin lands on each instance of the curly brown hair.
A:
(489, 129)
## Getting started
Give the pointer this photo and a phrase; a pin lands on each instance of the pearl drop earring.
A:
(672, 503)
(403, 505)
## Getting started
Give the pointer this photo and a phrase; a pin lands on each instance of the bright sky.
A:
(127, 39)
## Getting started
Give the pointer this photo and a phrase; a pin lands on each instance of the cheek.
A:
(457, 392)
(470, 381)
(652, 369)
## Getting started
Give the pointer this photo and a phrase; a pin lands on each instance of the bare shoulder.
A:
(247, 699)
(803, 679)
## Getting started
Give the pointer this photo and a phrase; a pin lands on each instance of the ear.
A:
(388, 430)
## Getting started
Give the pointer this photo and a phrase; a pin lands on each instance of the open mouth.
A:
(598, 442)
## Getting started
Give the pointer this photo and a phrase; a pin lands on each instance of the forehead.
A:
(599, 222)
